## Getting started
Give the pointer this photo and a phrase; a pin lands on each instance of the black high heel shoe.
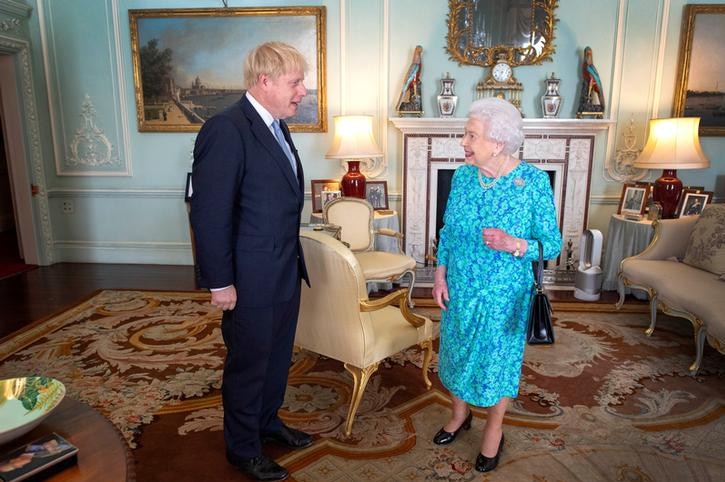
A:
(443, 437)
(486, 464)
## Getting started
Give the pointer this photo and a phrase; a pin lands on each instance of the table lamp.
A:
(671, 144)
(353, 141)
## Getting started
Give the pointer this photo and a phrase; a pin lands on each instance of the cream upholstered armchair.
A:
(355, 217)
(338, 320)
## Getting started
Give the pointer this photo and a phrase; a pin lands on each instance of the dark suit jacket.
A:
(246, 207)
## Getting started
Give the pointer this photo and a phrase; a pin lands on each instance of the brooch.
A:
(519, 182)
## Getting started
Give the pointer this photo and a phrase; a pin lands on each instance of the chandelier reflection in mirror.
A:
(480, 30)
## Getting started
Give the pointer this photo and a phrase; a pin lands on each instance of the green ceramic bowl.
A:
(25, 402)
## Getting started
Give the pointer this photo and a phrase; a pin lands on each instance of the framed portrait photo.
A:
(317, 186)
(693, 201)
(327, 196)
(633, 199)
(188, 62)
(376, 193)
(699, 91)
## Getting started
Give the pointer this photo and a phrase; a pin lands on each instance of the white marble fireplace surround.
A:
(565, 146)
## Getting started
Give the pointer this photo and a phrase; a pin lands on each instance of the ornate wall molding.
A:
(90, 147)
(21, 50)
(9, 24)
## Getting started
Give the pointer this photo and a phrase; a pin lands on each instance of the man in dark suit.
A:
(245, 213)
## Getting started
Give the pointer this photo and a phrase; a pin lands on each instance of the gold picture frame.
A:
(188, 63)
(703, 26)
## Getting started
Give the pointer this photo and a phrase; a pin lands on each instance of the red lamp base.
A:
(353, 182)
(667, 190)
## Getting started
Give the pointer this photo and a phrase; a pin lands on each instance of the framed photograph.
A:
(693, 202)
(327, 196)
(319, 185)
(189, 190)
(700, 91)
(633, 199)
(38, 459)
(376, 193)
(188, 63)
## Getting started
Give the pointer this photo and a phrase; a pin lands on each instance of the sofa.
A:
(683, 272)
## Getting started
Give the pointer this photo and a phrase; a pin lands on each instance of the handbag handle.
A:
(539, 269)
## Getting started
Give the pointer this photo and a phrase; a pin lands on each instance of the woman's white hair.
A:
(503, 121)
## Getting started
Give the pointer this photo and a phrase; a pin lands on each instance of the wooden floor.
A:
(47, 290)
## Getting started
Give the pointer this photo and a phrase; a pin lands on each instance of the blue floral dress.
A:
(482, 331)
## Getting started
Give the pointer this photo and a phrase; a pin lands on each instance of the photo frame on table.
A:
(376, 193)
(316, 188)
(693, 201)
(698, 93)
(187, 63)
(633, 199)
(327, 196)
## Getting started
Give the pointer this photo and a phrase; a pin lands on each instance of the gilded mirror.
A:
(479, 31)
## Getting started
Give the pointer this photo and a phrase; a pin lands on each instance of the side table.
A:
(102, 452)
(625, 238)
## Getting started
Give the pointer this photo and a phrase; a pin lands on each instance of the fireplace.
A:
(431, 152)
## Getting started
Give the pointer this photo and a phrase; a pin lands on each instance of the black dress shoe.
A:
(262, 468)
(486, 464)
(290, 437)
(443, 437)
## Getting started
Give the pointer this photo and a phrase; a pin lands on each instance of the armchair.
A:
(338, 320)
(355, 217)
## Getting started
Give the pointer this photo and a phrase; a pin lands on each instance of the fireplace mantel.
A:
(564, 146)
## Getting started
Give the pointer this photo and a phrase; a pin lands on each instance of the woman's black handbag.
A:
(540, 330)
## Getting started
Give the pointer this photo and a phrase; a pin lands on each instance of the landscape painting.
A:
(188, 63)
(701, 77)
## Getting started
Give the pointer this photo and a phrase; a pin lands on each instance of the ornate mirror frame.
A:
(464, 47)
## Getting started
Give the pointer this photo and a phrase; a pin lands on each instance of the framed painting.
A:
(317, 186)
(692, 202)
(700, 91)
(633, 199)
(188, 63)
(376, 193)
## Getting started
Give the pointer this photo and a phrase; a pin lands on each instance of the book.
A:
(38, 459)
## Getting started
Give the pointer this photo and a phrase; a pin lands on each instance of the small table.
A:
(382, 243)
(102, 452)
(625, 238)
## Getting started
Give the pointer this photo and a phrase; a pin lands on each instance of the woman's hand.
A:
(500, 240)
(440, 287)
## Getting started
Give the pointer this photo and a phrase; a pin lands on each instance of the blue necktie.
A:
(283, 144)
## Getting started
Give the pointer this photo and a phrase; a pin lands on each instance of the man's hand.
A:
(225, 299)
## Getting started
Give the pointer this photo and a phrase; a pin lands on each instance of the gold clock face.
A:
(501, 72)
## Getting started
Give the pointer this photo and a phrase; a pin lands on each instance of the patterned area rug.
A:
(605, 403)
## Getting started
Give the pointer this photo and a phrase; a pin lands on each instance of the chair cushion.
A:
(706, 249)
(380, 265)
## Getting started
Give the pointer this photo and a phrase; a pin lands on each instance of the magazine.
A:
(38, 458)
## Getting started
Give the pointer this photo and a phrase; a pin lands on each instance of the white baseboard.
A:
(123, 252)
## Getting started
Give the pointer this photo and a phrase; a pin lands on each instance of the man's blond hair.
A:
(273, 59)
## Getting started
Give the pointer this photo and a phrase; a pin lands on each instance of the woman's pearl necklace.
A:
(488, 185)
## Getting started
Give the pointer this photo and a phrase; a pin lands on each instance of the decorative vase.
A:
(447, 100)
(353, 182)
(551, 100)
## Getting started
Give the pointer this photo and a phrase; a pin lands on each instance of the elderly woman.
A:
(498, 208)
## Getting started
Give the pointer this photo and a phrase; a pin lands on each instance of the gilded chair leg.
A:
(427, 345)
(360, 377)
(652, 315)
(700, 335)
(620, 289)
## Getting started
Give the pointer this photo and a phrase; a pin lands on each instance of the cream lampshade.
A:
(353, 141)
(671, 144)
